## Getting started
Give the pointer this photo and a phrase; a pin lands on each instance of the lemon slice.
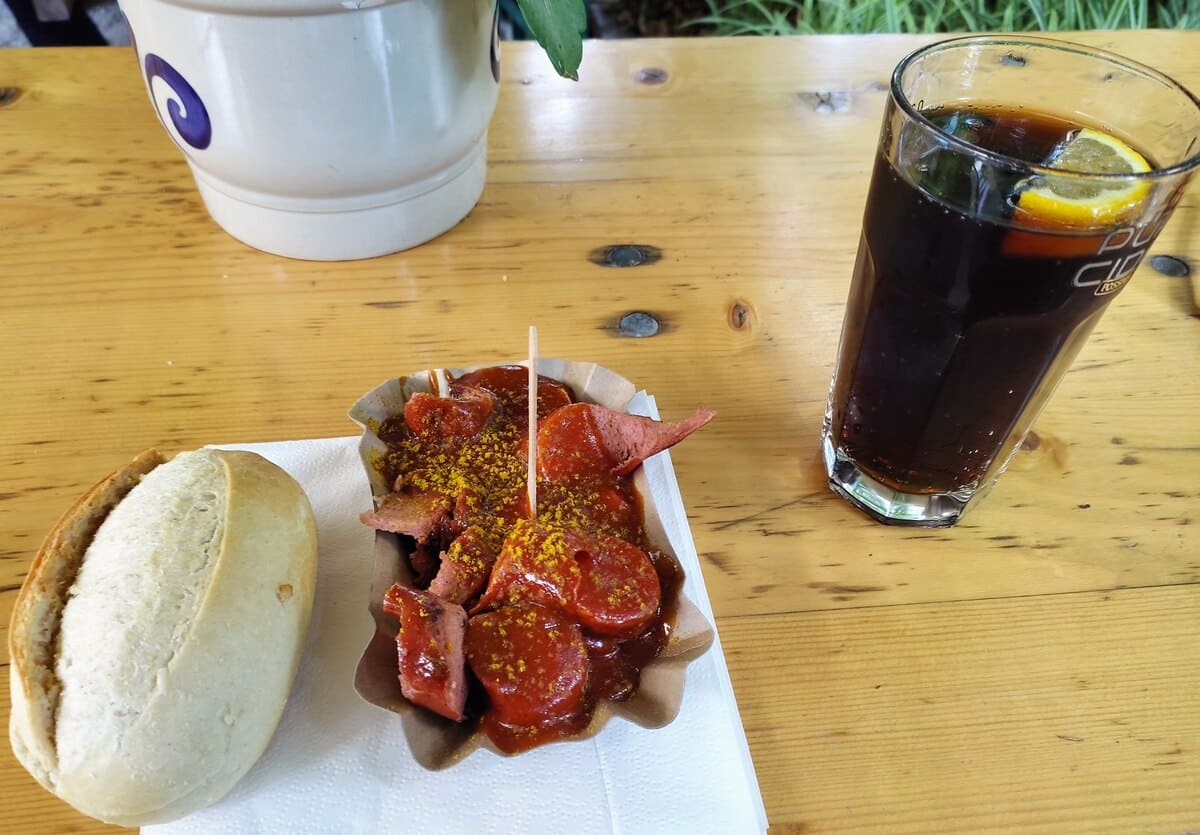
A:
(1076, 201)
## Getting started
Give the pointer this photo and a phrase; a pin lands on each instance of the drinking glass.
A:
(1018, 184)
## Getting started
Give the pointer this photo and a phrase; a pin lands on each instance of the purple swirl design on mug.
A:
(191, 120)
(496, 42)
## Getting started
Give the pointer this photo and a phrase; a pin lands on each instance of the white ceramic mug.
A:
(325, 130)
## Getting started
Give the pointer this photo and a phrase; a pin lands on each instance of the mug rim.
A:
(910, 111)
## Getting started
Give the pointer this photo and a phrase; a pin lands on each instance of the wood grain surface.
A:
(1033, 669)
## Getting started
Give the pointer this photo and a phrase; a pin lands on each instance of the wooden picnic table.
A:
(1035, 668)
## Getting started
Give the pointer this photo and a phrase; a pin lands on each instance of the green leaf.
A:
(558, 25)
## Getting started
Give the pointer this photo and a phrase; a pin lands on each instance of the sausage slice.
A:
(430, 648)
(531, 661)
(585, 438)
(607, 584)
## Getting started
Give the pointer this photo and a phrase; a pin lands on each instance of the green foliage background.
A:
(560, 25)
(807, 17)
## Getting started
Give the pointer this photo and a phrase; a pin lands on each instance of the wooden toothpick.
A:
(531, 484)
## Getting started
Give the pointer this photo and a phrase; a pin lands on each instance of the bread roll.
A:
(158, 634)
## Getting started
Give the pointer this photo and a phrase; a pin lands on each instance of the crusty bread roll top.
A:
(158, 633)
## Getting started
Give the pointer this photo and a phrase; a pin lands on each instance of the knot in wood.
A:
(739, 315)
(827, 101)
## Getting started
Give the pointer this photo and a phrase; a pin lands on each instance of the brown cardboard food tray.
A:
(437, 742)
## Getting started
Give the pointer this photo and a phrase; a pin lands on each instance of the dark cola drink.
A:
(995, 234)
(965, 310)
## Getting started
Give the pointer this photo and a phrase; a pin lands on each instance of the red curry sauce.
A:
(578, 600)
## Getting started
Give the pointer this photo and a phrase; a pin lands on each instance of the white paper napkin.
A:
(337, 764)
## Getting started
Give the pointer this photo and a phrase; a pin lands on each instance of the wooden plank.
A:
(1065, 713)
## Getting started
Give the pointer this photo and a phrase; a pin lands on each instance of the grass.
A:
(810, 17)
